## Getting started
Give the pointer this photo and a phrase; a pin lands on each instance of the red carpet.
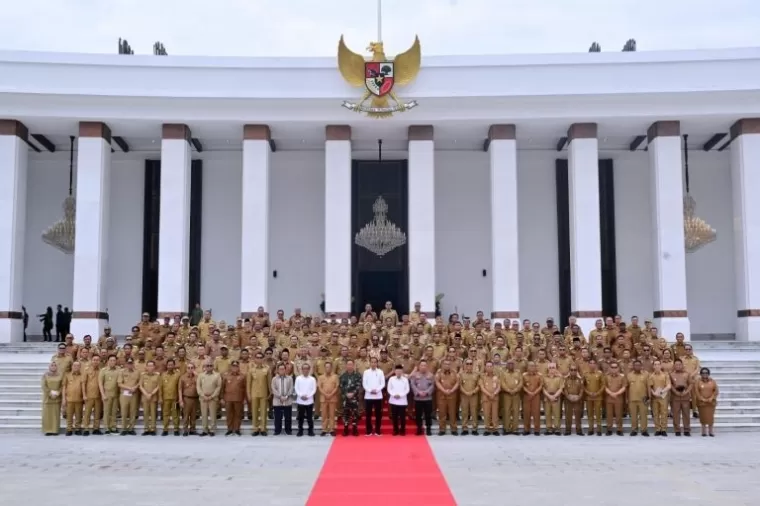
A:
(381, 471)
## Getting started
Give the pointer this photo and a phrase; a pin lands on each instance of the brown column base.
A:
(11, 315)
(747, 313)
(679, 313)
(339, 315)
(89, 315)
(169, 314)
(505, 314)
(586, 314)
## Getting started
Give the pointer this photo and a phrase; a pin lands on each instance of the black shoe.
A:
(420, 432)
(132, 433)
(403, 432)
(165, 433)
(185, 434)
(176, 433)
(620, 433)
(454, 433)
(323, 434)
(494, 433)
(288, 432)
(664, 434)
(465, 432)
(678, 434)
(441, 433)
(645, 434)
(609, 433)
(634, 433)
(429, 432)
(476, 433)
(229, 432)
(124, 433)
(212, 434)
(255, 433)
(526, 433)
(311, 433)
(687, 433)
(300, 433)
(567, 433)
(395, 432)
(345, 431)
(695, 415)
(276, 433)
(86, 433)
(557, 433)
(97, 432)
(146, 433)
(203, 434)
(237, 433)
(77, 432)
(263, 433)
(69, 433)
(485, 433)
(355, 431)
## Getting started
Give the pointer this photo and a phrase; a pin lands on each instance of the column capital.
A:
(13, 127)
(95, 129)
(176, 131)
(581, 131)
(257, 133)
(502, 132)
(663, 129)
(421, 133)
(745, 126)
(338, 133)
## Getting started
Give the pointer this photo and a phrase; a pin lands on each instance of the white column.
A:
(13, 164)
(92, 224)
(338, 236)
(254, 268)
(585, 246)
(421, 233)
(666, 183)
(174, 222)
(505, 260)
(745, 178)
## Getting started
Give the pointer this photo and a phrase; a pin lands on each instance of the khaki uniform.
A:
(680, 395)
(532, 403)
(128, 400)
(489, 386)
(257, 383)
(594, 390)
(447, 403)
(615, 405)
(169, 395)
(469, 381)
(511, 399)
(328, 404)
(573, 408)
(209, 385)
(552, 385)
(659, 404)
(109, 379)
(638, 393)
(189, 390)
(148, 383)
(233, 392)
(51, 402)
(93, 404)
(72, 384)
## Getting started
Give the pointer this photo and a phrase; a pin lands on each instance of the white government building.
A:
(521, 185)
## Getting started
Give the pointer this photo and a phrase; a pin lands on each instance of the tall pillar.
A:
(254, 268)
(745, 178)
(13, 164)
(505, 264)
(585, 245)
(174, 222)
(92, 224)
(421, 233)
(338, 237)
(666, 183)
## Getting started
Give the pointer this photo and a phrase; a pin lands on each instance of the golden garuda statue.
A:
(379, 74)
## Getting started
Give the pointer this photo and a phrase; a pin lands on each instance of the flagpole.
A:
(379, 20)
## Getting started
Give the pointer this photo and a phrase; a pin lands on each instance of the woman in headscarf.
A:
(706, 392)
(52, 384)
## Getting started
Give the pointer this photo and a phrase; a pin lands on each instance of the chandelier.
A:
(380, 236)
(697, 232)
(61, 234)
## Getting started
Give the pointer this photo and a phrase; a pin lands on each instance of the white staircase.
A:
(735, 366)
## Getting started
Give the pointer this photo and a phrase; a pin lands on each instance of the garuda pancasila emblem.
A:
(379, 75)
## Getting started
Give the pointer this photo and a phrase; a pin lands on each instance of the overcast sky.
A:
(312, 27)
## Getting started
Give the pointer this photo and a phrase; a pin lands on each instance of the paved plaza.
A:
(281, 471)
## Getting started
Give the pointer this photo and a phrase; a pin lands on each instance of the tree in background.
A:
(630, 46)
(595, 48)
(124, 47)
(159, 49)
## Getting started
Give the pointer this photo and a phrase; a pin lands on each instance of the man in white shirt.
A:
(305, 388)
(398, 390)
(373, 382)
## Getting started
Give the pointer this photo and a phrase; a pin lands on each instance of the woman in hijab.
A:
(52, 384)
(706, 392)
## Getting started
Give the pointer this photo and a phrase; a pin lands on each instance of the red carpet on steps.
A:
(381, 471)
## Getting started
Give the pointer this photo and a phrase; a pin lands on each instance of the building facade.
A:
(527, 186)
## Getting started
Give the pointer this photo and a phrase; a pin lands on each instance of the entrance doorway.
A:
(379, 278)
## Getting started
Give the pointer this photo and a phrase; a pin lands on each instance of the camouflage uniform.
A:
(350, 382)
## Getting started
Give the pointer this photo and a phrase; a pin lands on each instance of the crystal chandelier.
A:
(380, 236)
(60, 234)
(697, 232)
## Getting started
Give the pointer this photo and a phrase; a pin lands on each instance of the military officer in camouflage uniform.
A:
(350, 386)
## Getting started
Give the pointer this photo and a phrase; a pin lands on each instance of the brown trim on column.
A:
(663, 129)
(505, 314)
(745, 126)
(13, 127)
(586, 314)
(581, 131)
(669, 313)
(89, 315)
(247, 315)
(11, 315)
(95, 129)
(338, 133)
(421, 133)
(430, 315)
(176, 131)
(747, 313)
(256, 133)
(339, 315)
(502, 132)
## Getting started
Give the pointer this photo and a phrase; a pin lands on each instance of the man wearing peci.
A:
(373, 382)
(305, 388)
(398, 391)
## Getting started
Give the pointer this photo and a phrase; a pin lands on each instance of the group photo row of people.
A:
(514, 377)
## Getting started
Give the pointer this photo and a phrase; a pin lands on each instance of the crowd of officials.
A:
(506, 377)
